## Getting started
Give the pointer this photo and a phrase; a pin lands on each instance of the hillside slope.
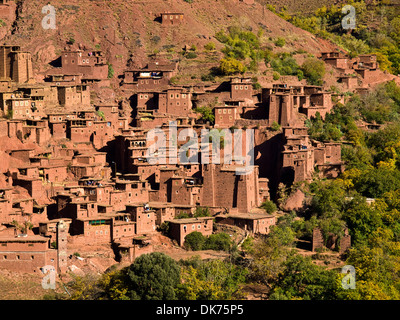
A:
(129, 30)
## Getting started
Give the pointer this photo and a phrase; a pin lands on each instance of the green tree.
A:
(153, 276)
(194, 241)
(303, 279)
(230, 66)
(207, 113)
(269, 206)
(313, 70)
(210, 280)
(219, 241)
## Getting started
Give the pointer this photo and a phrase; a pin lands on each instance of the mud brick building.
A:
(174, 101)
(171, 18)
(64, 79)
(338, 60)
(284, 103)
(222, 187)
(256, 223)
(6, 195)
(7, 9)
(180, 228)
(154, 76)
(225, 115)
(90, 63)
(26, 254)
(241, 89)
(130, 249)
(74, 96)
(144, 218)
(15, 64)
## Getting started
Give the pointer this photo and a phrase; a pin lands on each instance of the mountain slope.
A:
(129, 29)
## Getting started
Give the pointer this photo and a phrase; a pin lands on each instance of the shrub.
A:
(206, 113)
(275, 126)
(219, 241)
(208, 77)
(276, 75)
(210, 46)
(183, 215)
(280, 42)
(164, 228)
(202, 212)
(230, 66)
(313, 70)
(194, 241)
(191, 55)
(110, 71)
(269, 206)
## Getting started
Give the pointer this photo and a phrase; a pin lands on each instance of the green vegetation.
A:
(210, 46)
(219, 242)
(269, 206)
(280, 42)
(314, 71)
(231, 66)
(207, 113)
(110, 71)
(377, 30)
(243, 50)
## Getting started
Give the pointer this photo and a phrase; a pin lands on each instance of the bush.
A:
(110, 71)
(276, 75)
(280, 42)
(285, 65)
(269, 206)
(206, 112)
(183, 215)
(275, 126)
(202, 212)
(219, 242)
(313, 70)
(210, 46)
(194, 241)
(152, 276)
(230, 66)
(191, 55)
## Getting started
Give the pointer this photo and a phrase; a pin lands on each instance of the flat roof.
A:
(28, 238)
(190, 220)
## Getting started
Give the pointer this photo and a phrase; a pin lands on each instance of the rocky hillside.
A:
(129, 31)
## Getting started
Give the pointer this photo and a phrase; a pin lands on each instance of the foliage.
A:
(207, 113)
(152, 276)
(230, 66)
(210, 280)
(280, 42)
(219, 242)
(202, 212)
(302, 279)
(210, 46)
(269, 206)
(194, 241)
(313, 70)
(285, 64)
(110, 71)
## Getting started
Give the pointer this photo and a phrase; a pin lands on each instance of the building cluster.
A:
(77, 173)
(356, 74)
